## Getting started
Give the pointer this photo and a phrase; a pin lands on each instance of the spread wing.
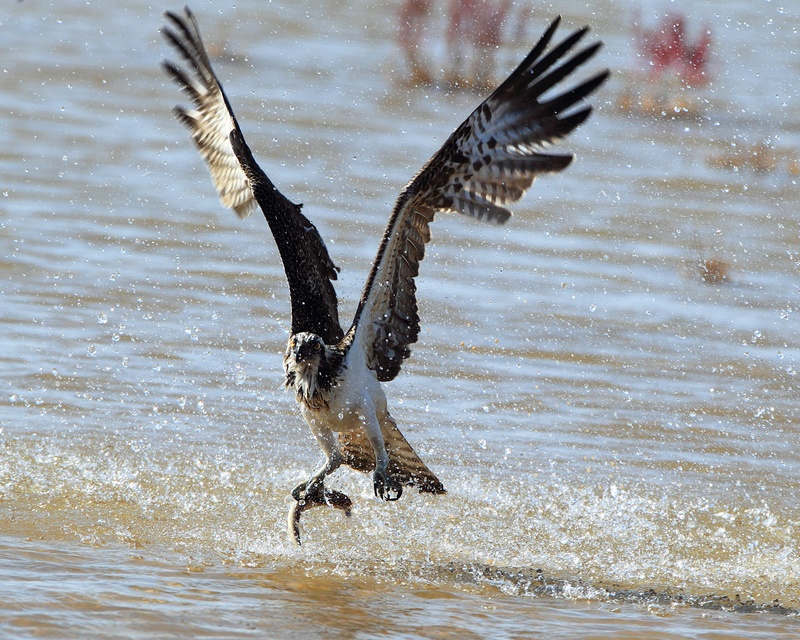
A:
(211, 121)
(241, 184)
(486, 164)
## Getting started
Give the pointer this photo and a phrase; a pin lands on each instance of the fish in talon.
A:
(326, 498)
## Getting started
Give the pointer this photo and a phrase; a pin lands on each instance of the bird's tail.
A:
(405, 465)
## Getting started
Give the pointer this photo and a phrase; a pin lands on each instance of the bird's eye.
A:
(317, 346)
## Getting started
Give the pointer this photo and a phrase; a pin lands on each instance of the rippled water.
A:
(618, 437)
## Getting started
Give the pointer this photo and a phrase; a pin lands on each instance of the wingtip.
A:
(172, 16)
(551, 28)
(501, 218)
(597, 80)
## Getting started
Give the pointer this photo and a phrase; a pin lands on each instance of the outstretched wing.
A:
(211, 121)
(486, 164)
(241, 184)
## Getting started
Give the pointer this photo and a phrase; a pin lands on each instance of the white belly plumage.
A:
(357, 398)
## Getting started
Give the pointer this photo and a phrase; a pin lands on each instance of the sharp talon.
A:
(297, 492)
(386, 487)
(319, 498)
(302, 491)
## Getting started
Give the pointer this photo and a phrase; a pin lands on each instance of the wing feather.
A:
(489, 162)
(212, 120)
(241, 184)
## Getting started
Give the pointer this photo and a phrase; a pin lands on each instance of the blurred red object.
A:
(475, 31)
(667, 49)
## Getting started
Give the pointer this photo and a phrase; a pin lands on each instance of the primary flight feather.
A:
(488, 163)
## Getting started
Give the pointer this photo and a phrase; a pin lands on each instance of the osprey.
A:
(489, 162)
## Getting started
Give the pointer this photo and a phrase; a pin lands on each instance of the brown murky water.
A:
(619, 438)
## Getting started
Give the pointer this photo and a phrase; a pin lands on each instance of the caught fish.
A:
(324, 498)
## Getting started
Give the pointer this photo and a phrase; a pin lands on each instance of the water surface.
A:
(617, 436)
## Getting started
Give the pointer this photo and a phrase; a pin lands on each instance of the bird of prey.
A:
(488, 162)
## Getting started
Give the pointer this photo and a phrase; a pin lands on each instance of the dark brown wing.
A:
(241, 183)
(487, 163)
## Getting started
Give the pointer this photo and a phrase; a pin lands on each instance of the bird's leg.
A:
(313, 493)
(314, 488)
(386, 487)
